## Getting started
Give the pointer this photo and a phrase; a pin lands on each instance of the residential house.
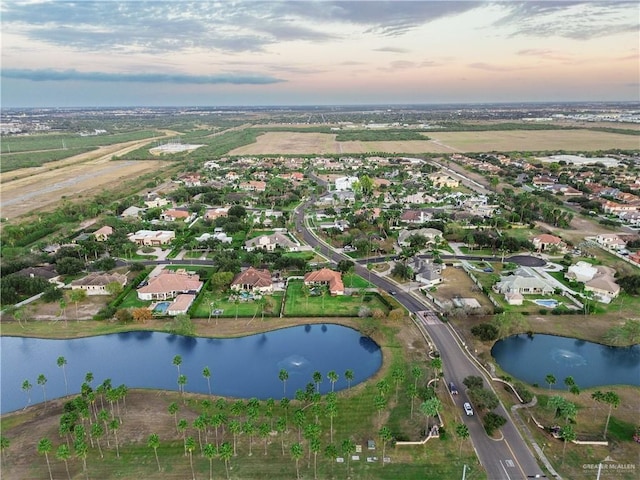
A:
(426, 271)
(213, 213)
(611, 241)
(581, 272)
(545, 242)
(180, 304)
(220, 236)
(152, 238)
(522, 282)
(48, 272)
(253, 186)
(253, 280)
(271, 242)
(169, 284)
(616, 208)
(603, 287)
(418, 198)
(440, 179)
(96, 283)
(154, 200)
(191, 180)
(416, 216)
(175, 214)
(543, 181)
(326, 276)
(345, 183)
(132, 212)
(432, 235)
(103, 233)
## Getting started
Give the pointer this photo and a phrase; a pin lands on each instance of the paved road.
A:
(506, 459)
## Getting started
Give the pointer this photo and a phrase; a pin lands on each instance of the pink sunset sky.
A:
(111, 53)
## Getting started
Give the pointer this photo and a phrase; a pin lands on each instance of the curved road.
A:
(506, 459)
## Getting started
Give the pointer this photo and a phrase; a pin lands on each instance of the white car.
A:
(467, 408)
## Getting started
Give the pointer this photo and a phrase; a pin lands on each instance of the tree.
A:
(154, 442)
(613, 400)
(436, 364)
(42, 381)
(567, 434)
(4, 444)
(173, 410)
(385, 436)
(317, 379)
(63, 309)
(209, 452)
(114, 425)
(462, 431)
(348, 448)
(82, 449)
(141, 315)
(550, 379)
(44, 448)
(182, 381)
(113, 288)
(430, 408)
(76, 297)
(283, 375)
(348, 375)
(296, 454)
(177, 361)
(236, 428)
(206, 373)
(63, 453)
(226, 452)
(61, 361)
(333, 378)
(97, 431)
(398, 376)
(26, 387)
(380, 403)
(182, 428)
(190, 445)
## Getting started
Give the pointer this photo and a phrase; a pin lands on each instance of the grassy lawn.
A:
(318, 306)
(249, 308)
(132, 301)
(352, 280)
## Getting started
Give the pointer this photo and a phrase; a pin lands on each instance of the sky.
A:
(58, 53)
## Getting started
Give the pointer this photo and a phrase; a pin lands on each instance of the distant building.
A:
(253, 280)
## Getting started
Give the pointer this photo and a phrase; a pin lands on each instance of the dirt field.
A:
(441, 142)
(31, 189)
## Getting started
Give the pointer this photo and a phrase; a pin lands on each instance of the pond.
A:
(531, 359)
(242, 367)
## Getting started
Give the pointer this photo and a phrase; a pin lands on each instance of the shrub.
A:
(485, 331)
(523, 391)
(493, 421)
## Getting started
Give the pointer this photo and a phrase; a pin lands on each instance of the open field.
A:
(37, 188)
(442, 142)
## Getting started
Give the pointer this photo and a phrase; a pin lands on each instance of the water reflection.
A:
(590, 364)
(243, 367)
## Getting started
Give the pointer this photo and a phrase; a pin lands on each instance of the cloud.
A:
(493, 68)
(579, 20)
(48, 75)
(391, 50)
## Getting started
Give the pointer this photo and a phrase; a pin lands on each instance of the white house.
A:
(345, 183)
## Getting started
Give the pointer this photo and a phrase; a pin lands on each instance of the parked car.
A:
(453, 389)
(392, 292)
(467, 408)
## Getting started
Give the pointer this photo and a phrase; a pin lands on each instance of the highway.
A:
(508, 458)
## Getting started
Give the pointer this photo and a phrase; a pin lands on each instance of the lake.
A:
(531, 359)
(242, 367)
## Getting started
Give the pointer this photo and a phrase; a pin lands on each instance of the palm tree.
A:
(154, 442)
(348, 375)
(182, 428)
(76, 297)
(398, 376)
(462, 431)
(436, 364)
(63, 310)
(416, 372)
(61, 361)
(613, 400)
(42, 380)
(284, 404)
(226, 452)
(333, 378)
(190, 445)
(348, 448)
(206, 373)
(113, 426)
(173, 410)
(317, 379)
(4, 444)
(331, 452)
(26, 387)
(200, 423)
(380, 403)
(385, 436)
(182, 381)
(567, 434)
(430, 408)
(332, 412)
(88, 377)
(283, 375)
(44, 448)
(383, 387)
(97, 431)
(210, 452)
(82, 449)
(412, 391)
(236, 428)
(281, 427)
(63, 453)
(297, 453)
(249, 429)
(263, 431)
(177, 361)
(550, 379)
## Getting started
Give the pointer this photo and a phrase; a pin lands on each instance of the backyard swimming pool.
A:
(546, 302)
(161, 307)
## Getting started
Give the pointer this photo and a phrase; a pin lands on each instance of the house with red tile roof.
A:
(326, 276)
(103, 233)
(174, 214)
(253, 280)
(169, 284)
(546, 241)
